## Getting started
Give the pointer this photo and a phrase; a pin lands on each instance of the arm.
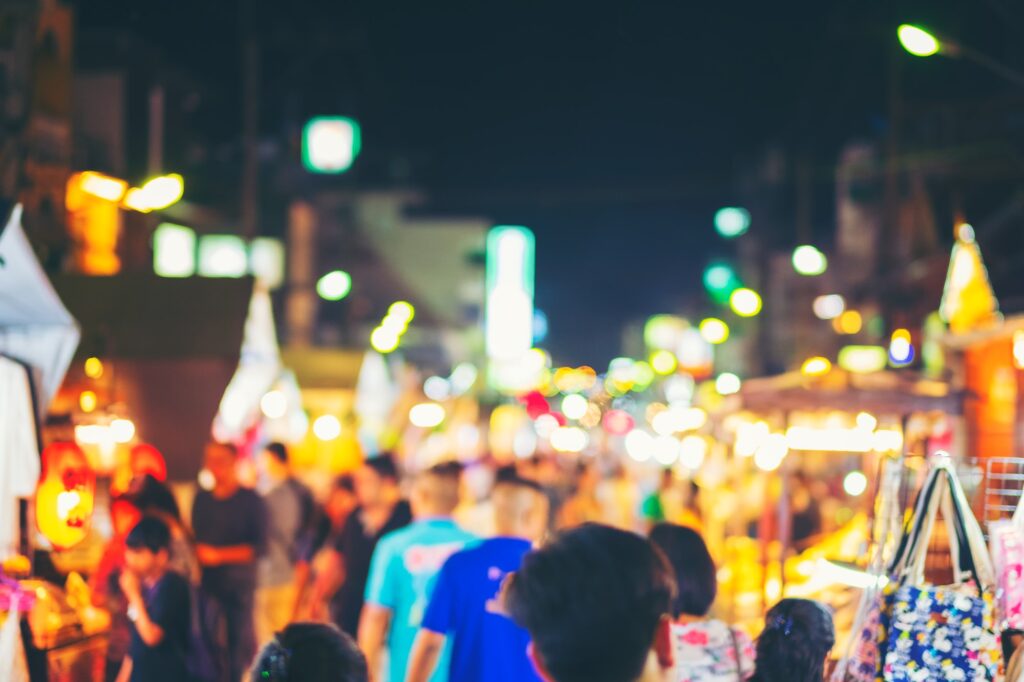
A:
(149, 632)
(425, 653)
(302, 574)
(373, 628)
(126, 671)
(230, 554)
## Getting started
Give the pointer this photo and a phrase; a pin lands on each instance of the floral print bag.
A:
(940, 632)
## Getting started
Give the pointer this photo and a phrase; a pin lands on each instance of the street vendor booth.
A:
(49, 631)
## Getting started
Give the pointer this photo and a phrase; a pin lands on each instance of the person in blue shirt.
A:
(465, 610)
(404, 569)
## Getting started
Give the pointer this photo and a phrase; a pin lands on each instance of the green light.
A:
(334, 286)
(174, 251)
(732, 221)
(918, 41)
(809, 261)
(330, 144)
(721, 280)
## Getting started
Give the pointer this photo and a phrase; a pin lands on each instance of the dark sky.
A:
(612, 129)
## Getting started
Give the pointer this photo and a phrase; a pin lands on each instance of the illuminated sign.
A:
(330, 144)
(509, 314)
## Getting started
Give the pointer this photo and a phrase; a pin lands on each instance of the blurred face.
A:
(143, 562)
(537, 521)
(369, 486)
(220, 461)
(340, 504)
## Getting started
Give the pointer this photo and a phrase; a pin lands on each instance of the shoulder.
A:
(173, 586)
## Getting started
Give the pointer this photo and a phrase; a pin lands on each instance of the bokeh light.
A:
(816, 367)
(849, 323)
(728, 384)
(714, 331)
(574, 406)
(426, 415)
(829, 307)
(917, 41)
(809, 261)
(855, 483)
(334, 286)
(745, 302)
(326, 427)
(732, 221)
(664, 362)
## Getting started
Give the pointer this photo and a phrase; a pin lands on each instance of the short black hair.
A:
(592, 601)
(150, 533)
(449, 469)
(798, 636)
(384, 465)
(515, 480)
(345, 482)
(310, 652)
(278, 451)
(696, 576)
(505, 473)
(151, 495)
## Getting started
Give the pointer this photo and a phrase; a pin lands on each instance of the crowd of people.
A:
(480, 575)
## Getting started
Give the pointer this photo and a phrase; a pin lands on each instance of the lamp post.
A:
(922, 42)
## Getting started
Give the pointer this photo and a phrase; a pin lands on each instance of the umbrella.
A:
(35, 327)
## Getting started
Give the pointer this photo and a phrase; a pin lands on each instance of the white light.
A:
(569, 439)
(545, 425)
(206, 479)
(91, 434)
(677, 419)
(437, 388)
(828, 439)
(463, 377)
(728, 384)
(274, 404)
(749, 437)
(330, 144)
(866, 421)
(384, 340)
(809, 261)
(122, 430)
(679, 388)
(639, 445)
(855, 483)
(574, 406)
(772, 452)
(509, 314)
(665, 450)
(327, 427)
(334, 286)
(692, 451)
(843, 575)
(829, 307)
(266, 261)
(900, 351)
(524, 444)
(887, 440)
(174, 251)
(426, 415)
(222, 255)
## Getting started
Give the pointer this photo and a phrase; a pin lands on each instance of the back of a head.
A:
(694, 568)
(520, 507)
(384, 465)
(796, 640)
(592, 601)
(278, 451)
(150, 495)
(310, 652)
(436, 490)
(150, 533)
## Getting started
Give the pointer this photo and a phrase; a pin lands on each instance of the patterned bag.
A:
(941, 632)
(1006, 539)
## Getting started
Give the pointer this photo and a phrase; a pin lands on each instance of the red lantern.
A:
(65, 496)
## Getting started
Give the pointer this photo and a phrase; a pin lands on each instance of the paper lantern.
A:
(65, 496)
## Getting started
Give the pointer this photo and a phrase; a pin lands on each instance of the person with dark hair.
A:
(404, 569)
(330, 519)
(230, 528)
(153, 497)
(381, 510)
(706, 649)
(158, 607)
(310, 652)
(464, 612)
(289, 505)
(597, 602)
(796, 640)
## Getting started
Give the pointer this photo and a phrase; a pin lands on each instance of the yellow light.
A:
(327, 427)
(664, 362)
(714, 330)
(426, 415)
(157, 194)
(94, 368)
(837, 439)
(772, 452)
(1018, 348)
(745, 302)
(863, 359)
(402, 310)
(692, 451)
(887, 440)
(384, 340)
(87, 401)
(569, 439)
(917, 41)
(102, 186)
(122, 430)
(816, 367)
(728, 384)
(855, 483)
(867, 421)
(850, 322)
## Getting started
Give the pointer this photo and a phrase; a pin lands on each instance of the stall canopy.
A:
(35, 327)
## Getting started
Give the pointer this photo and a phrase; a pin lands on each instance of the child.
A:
(797, 638)
(158, 607)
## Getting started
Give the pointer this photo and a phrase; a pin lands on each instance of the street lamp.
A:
(924, 43)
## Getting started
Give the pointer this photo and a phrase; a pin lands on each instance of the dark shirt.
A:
(236, 520)
(356, 544)
(167, 604)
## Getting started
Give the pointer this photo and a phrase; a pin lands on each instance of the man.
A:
(230, 530)
(381, 510)
(597, 602)
(340, 503)
(486, 645)
(158, 607)
(286, 511)
(404, 568)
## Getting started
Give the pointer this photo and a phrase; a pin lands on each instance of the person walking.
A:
(797, 638)
(230, 527)
(309, 652)
(465, 612)
(404, 569)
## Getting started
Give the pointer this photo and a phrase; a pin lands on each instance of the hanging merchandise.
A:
(940, 632)
(65, 496)
(1006, 541)
(19, 451)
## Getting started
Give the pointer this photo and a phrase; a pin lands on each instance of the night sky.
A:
(612, 129)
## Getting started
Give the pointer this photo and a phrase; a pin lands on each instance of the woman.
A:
(795, 643)
(311, 652)
(706, 649)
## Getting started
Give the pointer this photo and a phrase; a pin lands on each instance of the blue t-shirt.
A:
(402, 576)
(486, 645)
